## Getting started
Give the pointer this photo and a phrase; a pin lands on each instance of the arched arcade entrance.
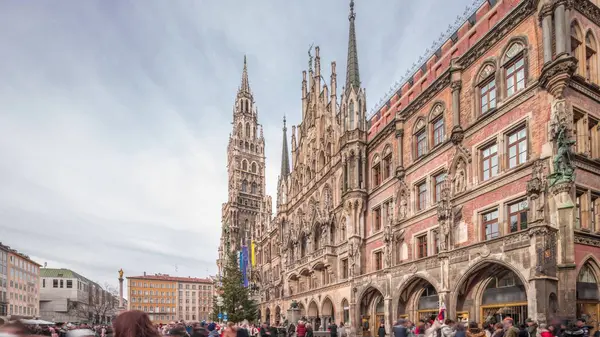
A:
(372, 312)
(327, 313)
(418, 300)
(588, 294)
(489, 292)
(268, 316)
(313, 316)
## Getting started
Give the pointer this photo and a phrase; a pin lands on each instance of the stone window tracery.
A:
(420, 139)
(486, 88)
(591, 58)
(577, 47)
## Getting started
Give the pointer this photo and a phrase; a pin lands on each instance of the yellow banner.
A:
(252, 254)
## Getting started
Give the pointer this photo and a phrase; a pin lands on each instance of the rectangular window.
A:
(517, 215)
(437, 185)
(377, 219)
(489, 162)
(387, 166)
(438, 131)
(61, 283)
(517, 147)
(376, 175)
(488, 96)
(515, 77)
(491, 228)
(422, 246)
(55, 283)
(436, 242)
(69, 284)
(379, 260)
(43, 283)
(579, 195)
(344, 269)
(422, 196)
(421, 143)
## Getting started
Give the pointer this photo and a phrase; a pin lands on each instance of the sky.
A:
(115, 114)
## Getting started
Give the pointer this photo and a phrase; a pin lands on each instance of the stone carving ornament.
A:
(444, 210)
(536, 189)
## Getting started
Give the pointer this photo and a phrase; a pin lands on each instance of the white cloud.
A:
(115, 115)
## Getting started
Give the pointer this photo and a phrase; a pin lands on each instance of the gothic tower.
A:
(354, 149)
(248, 209)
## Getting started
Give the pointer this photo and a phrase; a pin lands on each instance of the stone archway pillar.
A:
(355, 323)
(387, 305)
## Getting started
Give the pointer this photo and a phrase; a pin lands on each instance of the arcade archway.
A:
(372, 311)
(313, 315)
(489, 292)
(268, 315)
(277, 315)
(327, 313)
(418, 300)
(588, 294)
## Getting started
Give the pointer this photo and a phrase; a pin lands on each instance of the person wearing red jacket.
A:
(301, 329)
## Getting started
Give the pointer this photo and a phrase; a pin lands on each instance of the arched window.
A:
(420, 139)
(239, 130)
(591, 58)
(321, 160)
(247, 146)
(436, 120)
(244, 186)
(376, 171)
(361, 118)
(248, 130)
(486, 85)
(577, 48)
(244, 165)
(252, 147)
(514, 67)
(351, 113)
(253, 167)
(253, 190)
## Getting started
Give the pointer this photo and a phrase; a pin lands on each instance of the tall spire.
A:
(245, 87)
(352, 76)
(285, 161)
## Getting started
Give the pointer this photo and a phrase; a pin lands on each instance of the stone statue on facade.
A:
(351, 257)
(536, 189)
(444, 210)
(564, 171)
(402, 205)
(121, 273)
(460, 177)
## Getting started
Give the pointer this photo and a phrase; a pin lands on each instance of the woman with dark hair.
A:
(134, 324)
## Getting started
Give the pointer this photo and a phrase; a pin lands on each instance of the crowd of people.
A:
(138, 324)
(507, 328)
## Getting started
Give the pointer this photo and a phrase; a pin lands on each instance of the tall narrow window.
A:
(595, 213)
(489, 162)
(437, 185)
(517, 147)
(517, 215)
(438, 131)
(244, 186)
(577, 48)
(422, 196)
(422, 246)
(487, 88)
(376, 172)
(248, 130)
(420, 139)
(591, 58)
(515, 76)
(387, 163)
(377, 219)
(490, 226)
(421, 143)
(379, 260)
(351, 115)
(488, 96)
(253, 191)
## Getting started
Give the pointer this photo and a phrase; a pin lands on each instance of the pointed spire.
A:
(285, 160)
(245, 87)
(352, 75)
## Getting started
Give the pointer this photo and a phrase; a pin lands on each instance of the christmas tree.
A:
(236, 298)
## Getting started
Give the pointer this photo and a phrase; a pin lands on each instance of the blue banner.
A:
(245, 263)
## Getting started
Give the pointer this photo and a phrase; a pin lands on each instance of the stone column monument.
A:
(121, 308)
